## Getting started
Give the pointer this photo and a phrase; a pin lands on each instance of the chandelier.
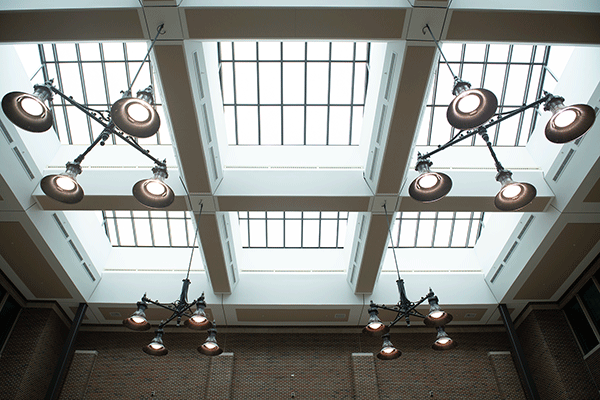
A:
(404, 309)
(180, 308)
(128, 118)
(473, 112)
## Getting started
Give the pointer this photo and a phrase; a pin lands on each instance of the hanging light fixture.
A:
(443, 341)
(472, 111)
(437, 318)
(127, 117)
(429, 186)
(154, 192)
(179, 308)
(28, 111)
(64, 187)
(136, 116)
(567, 123)
(210, 347)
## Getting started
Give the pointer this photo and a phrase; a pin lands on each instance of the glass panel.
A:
(590, 297)
(439, 230)
(581, 326)
(8, 316)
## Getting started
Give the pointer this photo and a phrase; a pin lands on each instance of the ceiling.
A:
(58, 252)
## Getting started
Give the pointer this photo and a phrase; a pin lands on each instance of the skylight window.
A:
(149, 228)
(94, 74)
(437, 229)
(293, 229)
(514, 73)
(293, 93)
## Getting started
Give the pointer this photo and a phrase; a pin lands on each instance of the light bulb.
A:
(469, 103)
(387, 350)
(375, 325)
(210, 345)
(65, 183)
(156, 187)
(565, 118)
(156, 346)
(32, 107)
(511, 191)
(436, 314)
(198, 319)
(428, 181)
(138, 112)
(138, 320)
(443, 340)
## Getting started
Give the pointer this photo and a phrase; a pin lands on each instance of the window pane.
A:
(581, 326)
(590, 297)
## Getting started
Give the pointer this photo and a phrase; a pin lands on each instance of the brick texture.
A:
(31, 354)
(219, 381)
(77, 379)
(554, 359)
(279, 366)
(365, 378)
(506, 375)
(593, 363)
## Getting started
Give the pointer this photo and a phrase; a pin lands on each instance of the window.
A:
(9, 311)
(293, 229)
(293, 93)
(149, 228)
(437, 229)
(94, 74)
(514, 73)
(583, 314)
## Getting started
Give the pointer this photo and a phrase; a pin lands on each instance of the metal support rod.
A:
(456, 78)
(518, 355)
(102, 136)
(107, 126)
(462, 137)
(159, 32)
(65, 355)
(486, 138)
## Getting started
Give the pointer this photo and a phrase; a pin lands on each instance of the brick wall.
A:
(554, 358)
(31, 353)
(593, 363)
(279, 366)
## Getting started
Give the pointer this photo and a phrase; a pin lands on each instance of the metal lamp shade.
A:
(155, 352)
(51, 188)
(526, 196)
(376, 332)
(435, 322)
(488, 104)
(121, 116)
(210, 346)
(584, 117)
(12, 105)
(388, 351)
(430, 194)
(189, 323)
(137, 326)
(147, 198)
(443, 341)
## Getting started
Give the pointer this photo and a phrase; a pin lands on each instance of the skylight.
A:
(149, 228)
(437, 229)
(514, 73)
(293, 229)
(94, 74)
(293, 93)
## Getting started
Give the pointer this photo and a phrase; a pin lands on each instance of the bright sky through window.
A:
(94, 74)
(149, 228)
(437, 229)
(293, 93)
(293, 229)
(516, 74)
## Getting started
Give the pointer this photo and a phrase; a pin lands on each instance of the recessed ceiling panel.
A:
(292, 315)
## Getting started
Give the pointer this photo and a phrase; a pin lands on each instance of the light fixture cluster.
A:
(436, 318)
(472, 111)
(180, 308)
(128, 118)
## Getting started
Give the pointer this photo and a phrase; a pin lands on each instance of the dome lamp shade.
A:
(64, 187)
(567, 123)
(154, 192)
(156, 346)
(138, 321)
(388, 351)
(443, 341)
(29, 111)
(429, 186)
(514, 195)
(210, 346)
(471, 107)
(375, 327)
(136, 116)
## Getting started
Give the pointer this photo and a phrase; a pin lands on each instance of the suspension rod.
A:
(456, 78)
(102, 136)
(159, 31)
